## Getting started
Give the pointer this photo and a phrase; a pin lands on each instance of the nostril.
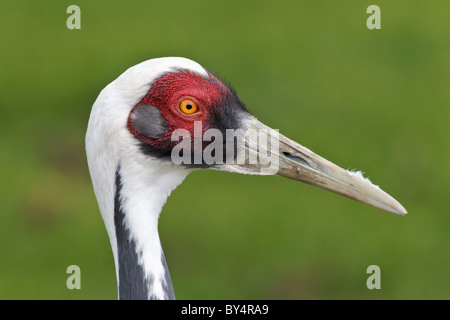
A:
(296, 159)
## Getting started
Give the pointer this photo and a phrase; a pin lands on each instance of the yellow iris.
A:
(188, 106)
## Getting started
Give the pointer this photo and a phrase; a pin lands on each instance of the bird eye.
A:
(188, 106)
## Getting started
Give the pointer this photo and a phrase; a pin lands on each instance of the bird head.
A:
(176, 112)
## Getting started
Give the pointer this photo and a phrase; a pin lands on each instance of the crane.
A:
(135, 132)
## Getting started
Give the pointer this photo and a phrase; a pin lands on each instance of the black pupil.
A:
(189, 106)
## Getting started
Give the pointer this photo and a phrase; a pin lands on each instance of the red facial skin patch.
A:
(166, 94)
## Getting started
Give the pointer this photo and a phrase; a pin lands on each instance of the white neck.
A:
(145, 185)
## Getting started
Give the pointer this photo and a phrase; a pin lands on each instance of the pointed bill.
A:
(296, 162)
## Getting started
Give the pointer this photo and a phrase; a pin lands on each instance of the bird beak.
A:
(276, 154)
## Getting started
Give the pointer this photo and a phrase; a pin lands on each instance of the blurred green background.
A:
(374, 100)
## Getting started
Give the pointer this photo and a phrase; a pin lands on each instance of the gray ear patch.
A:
(148, 120)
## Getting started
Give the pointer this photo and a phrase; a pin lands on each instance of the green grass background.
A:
(375, 100)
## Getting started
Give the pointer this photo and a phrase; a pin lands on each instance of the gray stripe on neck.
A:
(133, 285)
(132, 282)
